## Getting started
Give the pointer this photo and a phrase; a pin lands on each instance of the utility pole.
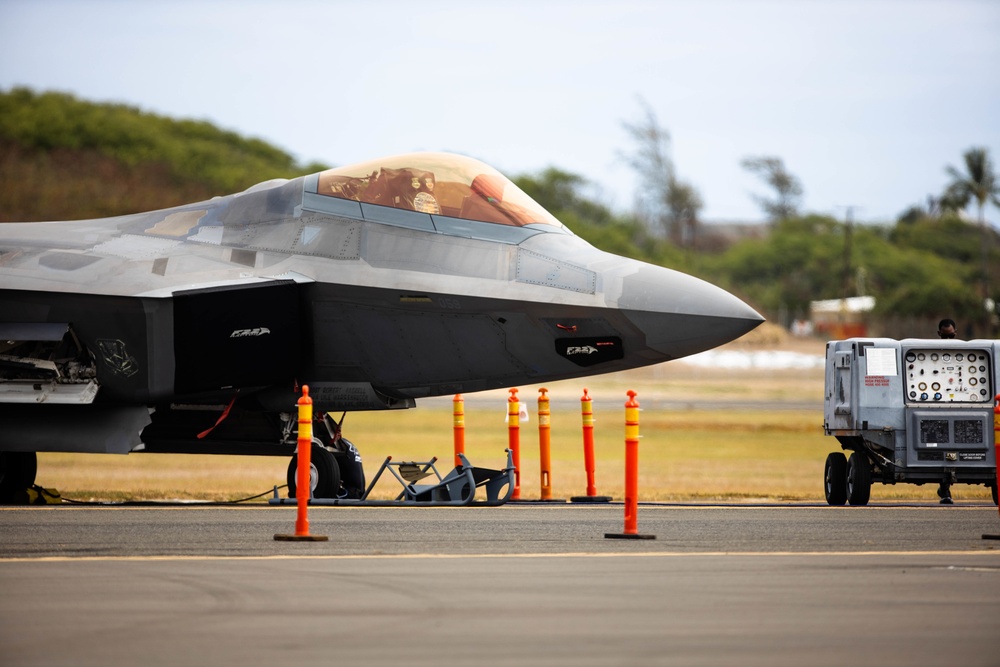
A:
(848, 233)
(987, 304)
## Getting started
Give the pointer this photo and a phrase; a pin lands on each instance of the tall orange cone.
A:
(545, 447)
(589, 465)
(302, 474)
(996, 429)
(514, 439)
(996, 475)
(631, 473)
(458, 417)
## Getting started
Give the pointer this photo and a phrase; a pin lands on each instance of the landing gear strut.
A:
(17, 473)
(336, 470)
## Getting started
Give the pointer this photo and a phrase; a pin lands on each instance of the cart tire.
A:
(859, 479)
(993, 490)
(835, 479)
(324, 474)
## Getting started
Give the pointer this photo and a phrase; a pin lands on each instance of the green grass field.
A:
(689, 451)
(683, 455)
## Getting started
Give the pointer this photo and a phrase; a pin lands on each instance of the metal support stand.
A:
(457, 488)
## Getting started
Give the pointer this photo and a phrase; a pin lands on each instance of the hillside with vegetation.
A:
(64, 158)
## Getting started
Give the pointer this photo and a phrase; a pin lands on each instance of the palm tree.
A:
(979, 183)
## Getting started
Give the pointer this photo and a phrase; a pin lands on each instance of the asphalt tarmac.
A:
(525, 584)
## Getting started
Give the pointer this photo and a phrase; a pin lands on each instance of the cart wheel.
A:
(993, 490)
(324, 474)
(835, 478)
(859, 479)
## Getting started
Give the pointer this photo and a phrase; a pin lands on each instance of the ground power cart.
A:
(909, 411)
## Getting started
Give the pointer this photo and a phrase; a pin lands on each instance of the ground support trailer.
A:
(909, 411)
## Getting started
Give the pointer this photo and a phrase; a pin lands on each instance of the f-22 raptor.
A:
(190, 329)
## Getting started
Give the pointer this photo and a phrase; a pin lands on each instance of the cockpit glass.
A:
(437, 183)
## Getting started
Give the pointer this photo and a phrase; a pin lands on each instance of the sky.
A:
(865, 102)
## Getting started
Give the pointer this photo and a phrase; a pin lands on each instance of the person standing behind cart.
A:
(946, 329)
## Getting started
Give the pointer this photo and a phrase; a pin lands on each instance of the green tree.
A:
(668, 202)
(787, 187)
(563, 194)
(979, 182)
(562, 191)
(801, 260)
(948, 237)
(797, 262)
(683, 205)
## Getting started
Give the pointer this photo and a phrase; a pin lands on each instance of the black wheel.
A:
(17, 473)
(859, 479)
(324, 474)
(835, 479)
(993, 490)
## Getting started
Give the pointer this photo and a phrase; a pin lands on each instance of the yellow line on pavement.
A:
(615, 554)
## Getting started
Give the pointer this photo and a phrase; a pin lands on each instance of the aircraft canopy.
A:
(439, 184)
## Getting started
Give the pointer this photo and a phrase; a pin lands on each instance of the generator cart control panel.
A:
(946, 375)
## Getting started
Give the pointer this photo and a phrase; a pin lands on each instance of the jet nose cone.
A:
(680, 314)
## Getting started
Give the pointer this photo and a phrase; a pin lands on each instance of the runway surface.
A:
(522, 584)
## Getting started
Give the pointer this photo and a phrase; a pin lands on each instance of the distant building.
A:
(838, 319)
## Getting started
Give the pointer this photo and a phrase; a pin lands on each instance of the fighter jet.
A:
(191, 329)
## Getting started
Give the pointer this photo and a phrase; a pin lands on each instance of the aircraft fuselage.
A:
(241, 299)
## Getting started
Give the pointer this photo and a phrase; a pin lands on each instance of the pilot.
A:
(412, 189)
(422, 197)
(946, 329)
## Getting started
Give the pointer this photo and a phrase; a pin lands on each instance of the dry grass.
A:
(687, 451)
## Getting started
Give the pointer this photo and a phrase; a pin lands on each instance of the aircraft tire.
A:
(859, 479)
(835, 479)
(17, 473)
(324, 475)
